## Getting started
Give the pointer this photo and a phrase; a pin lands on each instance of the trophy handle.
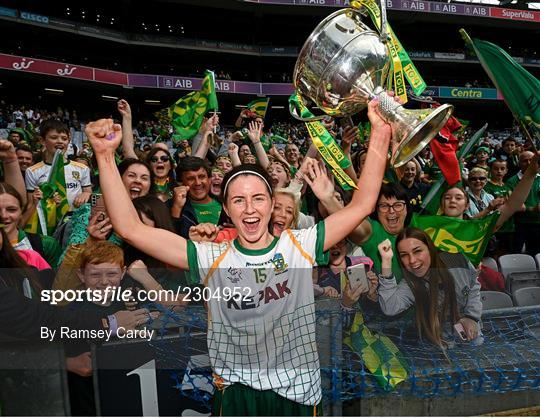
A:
(294, 111)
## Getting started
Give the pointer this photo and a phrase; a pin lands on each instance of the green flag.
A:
(467, 236)
(49, 213)
(519, 88)
(259, 106)
(187, 114)
(378, 353)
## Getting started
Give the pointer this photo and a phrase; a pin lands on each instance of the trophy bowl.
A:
(343, 66)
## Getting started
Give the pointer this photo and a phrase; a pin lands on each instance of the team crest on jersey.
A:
(76, 175)
(234, 275)
(279, 263)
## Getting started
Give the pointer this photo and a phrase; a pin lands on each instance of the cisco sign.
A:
(34, 17)
(467, 93)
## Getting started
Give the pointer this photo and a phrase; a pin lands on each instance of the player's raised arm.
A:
(340, 224)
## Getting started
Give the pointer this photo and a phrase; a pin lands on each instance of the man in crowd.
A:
(527, 222)
(25, 157)
(192, 203)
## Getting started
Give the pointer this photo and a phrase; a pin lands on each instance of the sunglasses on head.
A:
(163, 159)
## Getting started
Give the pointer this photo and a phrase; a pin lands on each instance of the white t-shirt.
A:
(77, 177)
(267, 339)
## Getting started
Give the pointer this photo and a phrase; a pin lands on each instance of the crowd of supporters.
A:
(184, 186)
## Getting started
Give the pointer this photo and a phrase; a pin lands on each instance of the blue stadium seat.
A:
(528, 296)
(511, 263)
(495, 300)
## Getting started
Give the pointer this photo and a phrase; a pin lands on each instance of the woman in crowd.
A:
(413, 186)
(137, 179)
(16, 269)
(256, 260)
(11, 212)
(455, 201)
(216, 178)
(442, 287)
(162, 166)
(279, 174)
(481, 203)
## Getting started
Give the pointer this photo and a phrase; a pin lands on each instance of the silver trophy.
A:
(343, 66)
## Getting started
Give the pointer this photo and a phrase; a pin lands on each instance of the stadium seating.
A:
(491, 263)
(528, 296)
(495, 300)
(511, 263)
(519, 280)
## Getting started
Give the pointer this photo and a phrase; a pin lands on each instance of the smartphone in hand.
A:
(97, 206)
(357, 275)
(461, 331)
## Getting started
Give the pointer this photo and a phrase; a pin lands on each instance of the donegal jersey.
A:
(266, 339)
(77, 177)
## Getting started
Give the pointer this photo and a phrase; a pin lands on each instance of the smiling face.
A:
(98, 277)
(392, 214)
(10, 214)
(215, 182)
(509, 147)
(198, 183)
(283, 214)
(477, 180)
(136, 180)
(161, 164)
(414, 256)
(249, 205)
(243, 151)
(292, 153)
(55, 140)
(454, 203)
(26, 159)
(409, 174)
(280, 177)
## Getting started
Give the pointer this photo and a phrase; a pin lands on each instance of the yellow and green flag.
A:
(379, 354)
(259, 106)
(467, 236)
(187, 113)
(48, 213)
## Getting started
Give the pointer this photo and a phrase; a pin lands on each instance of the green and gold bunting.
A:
(49, 213)
(378, 353)
(326, 145)
(401, 64)
(259, 106)
(187, 114)
(467, 236)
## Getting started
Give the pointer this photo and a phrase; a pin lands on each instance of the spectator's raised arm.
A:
(128, 142)
(12, 170)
